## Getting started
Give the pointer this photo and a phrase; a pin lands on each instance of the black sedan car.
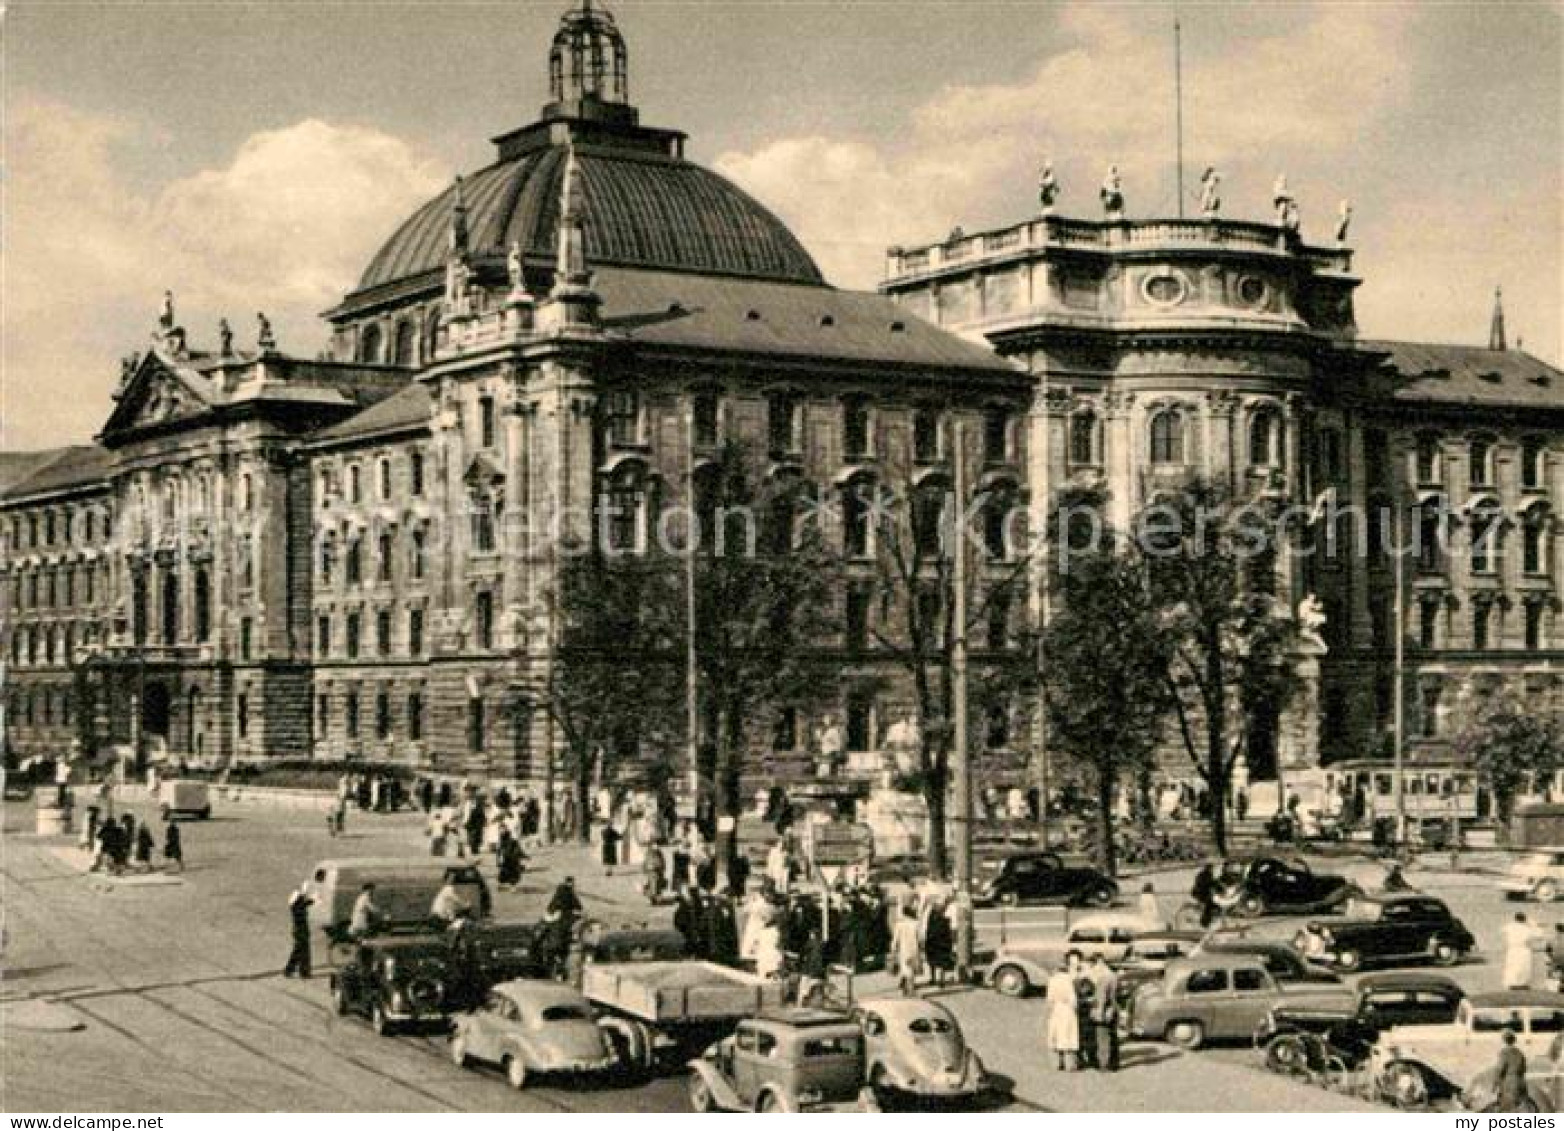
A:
(1043, 877)
(1388, 929)
(1270, 885)
(1309, 1035)
(395, 981)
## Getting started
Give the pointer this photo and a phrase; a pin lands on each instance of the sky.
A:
(252, 156)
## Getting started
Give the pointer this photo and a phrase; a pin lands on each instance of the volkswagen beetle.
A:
(530, 1028)
(915, 1048)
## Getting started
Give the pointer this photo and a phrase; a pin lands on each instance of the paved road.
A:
(182, 1007)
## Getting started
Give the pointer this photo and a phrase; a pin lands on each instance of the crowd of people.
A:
(123, 844)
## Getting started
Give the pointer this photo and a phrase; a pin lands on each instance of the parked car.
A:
(787, 1061)
(531, 1028)
(394, 981)
(1018, 968)
(1307, 1035)
(185, 797)
(1215, 997)
(1412, 1064)
(1536, 875)
(1284, 962)
(1148, 956)
(915, 1047)
(1043, 877)
(1270, 885)
(1388, 928)
(483, 954)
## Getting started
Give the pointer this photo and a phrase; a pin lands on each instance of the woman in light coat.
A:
(1064, 1029)
(1520, 940)
(907, 950)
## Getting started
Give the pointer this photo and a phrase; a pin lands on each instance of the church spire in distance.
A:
(1496, 326)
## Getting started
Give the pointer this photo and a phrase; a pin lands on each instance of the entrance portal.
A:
(155, 711)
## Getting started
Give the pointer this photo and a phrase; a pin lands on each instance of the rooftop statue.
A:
(225, 338)
(1286, 205)
(1112, 194)
(165, 318)
(518, 283)
(265, 338)
(1047, 188)
(1210, 192)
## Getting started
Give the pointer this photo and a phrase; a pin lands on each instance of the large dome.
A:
(642, 209)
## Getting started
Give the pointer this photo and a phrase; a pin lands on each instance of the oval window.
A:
(1252, 291)
(1164, 290)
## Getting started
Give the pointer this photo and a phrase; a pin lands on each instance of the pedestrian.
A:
(173, 847)
(1241, 803)
(511, 861)
(128, 839)
(1085, 1003)
(811, 966)
(1203, 892)
(365, 918)
(145, 846)
(1395, 880)
(610, 849)
(449, 904)
(565, 901)
(907, 950)
(1556, 960)
(1064, 1029)
(299, 922)
(1150, 910)
(337, 815)
(779, 868)
(477, 820)
(108, 837)
(939, 943)
(1509, 1077)
(769, 959)
(1520, 937)
(1105, 1014)
(722, 930)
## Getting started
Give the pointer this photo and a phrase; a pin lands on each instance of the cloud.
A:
(971, 152)
(284, 227)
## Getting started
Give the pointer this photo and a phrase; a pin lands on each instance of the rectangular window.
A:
(707, 417)
(383, 631)
(998, 622)
(782, 423)
(483, 616)
(622, 417)
(784, 735)
(350, 712)
(1481, 615)
(415, 632)
(415, 565)
(415, 716)
(387, 550)
(242, 714)
(382, 716)
(415, 474)
(352, 634)
(322, 715)
(1430, 702)
(997, 729)
(996, 435)
(926, 435)
(858, 602)
(326, 557)
(1534, 626)
(246, 632)
(323, 635)
(1534, 457)
(855, 430)
(385, 479)
(1428, 624)
(860, 720)
(476, 739)
(486, 422)
(355, 567)
(355, 484)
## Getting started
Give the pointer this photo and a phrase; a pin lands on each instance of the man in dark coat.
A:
(684, 918)
(1509, 1081)
(565, 901)
(1203, 893)
(722, 930)
(299, 956)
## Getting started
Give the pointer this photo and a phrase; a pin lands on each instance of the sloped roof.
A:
(669, 308)
(77, 466)
(1428, 373)
(17, 466)
(409, 407)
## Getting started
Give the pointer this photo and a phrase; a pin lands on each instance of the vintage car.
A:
(786, 1061)
(1388, 929)
(1018, 968)
(1148, 956)
(1411, 1064)
(185, 797)
(1285, 963)
(394, 980)
(1043, 877)
(1535, 875)
(1309, 1036)
(531, 1028)
(1270, 885)
(1215, 997)
(915, 1048)
(485, 953)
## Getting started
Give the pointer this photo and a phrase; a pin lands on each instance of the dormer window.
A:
(622, 418)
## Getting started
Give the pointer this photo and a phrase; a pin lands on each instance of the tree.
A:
(764, 590)
(615, 683)
(1511, 744)
(916, 533)
(1105, 685)
(1210, 568)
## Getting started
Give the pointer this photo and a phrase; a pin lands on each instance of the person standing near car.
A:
(173, 846)
(1509, 1078)
(1520, 938)
(1064, 1032)
(907, 950)
(299, 920)
(449, 905)
(366, 917)
(1105, 1014)
(1204, 894)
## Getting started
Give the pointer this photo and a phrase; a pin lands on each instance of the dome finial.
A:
(588, 59)
(1496, 326)
(458, 241)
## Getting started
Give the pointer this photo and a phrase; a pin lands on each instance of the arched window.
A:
(858, 517)
(1534, 541)
(928, 514)
(431, 333)
(1534, 460)
(1428, 462)
(1083, 438)
(625, 523)
(369, 344)
(203, 606)
(1265, 439)
(1431, 528)
(998, 512)
(1167, 437)
(406, 343)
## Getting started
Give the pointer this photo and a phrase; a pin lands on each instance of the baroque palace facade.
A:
(264, 556)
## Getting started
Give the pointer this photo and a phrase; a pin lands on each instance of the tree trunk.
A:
(1216, 745)
(1110, 855)
(729, 805)
(584, 801)
(934, 797)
